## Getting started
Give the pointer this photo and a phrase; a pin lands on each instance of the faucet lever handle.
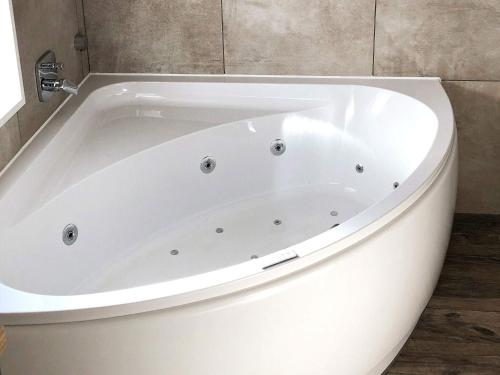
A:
(51, 66)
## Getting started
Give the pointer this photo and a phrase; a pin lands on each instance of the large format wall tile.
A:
(453, 39)
(319, 37)
(40, 26)
(154, 36)
(10, 141)
(477, 114)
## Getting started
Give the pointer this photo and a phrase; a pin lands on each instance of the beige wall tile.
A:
(477, 114)
(453, 39)
(10, 141)
(318, 37)
(154, 36)
(40, 26)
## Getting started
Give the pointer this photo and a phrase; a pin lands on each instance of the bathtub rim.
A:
(29, 308)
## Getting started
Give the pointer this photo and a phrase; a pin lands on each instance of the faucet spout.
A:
(59, 85)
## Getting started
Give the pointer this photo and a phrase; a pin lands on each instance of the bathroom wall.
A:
(457, 40)
(41, 25)
(155, 36)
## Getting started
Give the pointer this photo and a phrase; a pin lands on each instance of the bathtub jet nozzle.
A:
(70, 234)
(278, 147)
(207, 164)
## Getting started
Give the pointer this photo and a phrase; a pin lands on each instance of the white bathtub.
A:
(242, 270)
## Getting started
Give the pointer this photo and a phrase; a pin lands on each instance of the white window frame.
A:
(8, 40)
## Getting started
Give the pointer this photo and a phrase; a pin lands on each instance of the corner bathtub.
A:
(317, 260)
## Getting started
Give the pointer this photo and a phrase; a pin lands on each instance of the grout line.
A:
(222, 29)
(78, 31)
(86, 34)
(19, 131)
(460, 309)
(374, 34)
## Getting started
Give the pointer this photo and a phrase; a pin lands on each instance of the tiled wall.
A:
(154, 36)
(41, 25)
(458, 40)
(317, 37)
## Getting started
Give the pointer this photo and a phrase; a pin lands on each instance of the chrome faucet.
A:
(59, 85)
(48, 80)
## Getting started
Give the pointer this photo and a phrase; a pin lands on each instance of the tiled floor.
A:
(459, 332)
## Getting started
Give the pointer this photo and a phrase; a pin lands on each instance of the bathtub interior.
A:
(125, 169)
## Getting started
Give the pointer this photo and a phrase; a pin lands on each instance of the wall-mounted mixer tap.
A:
(59, 85)
(47, 77)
